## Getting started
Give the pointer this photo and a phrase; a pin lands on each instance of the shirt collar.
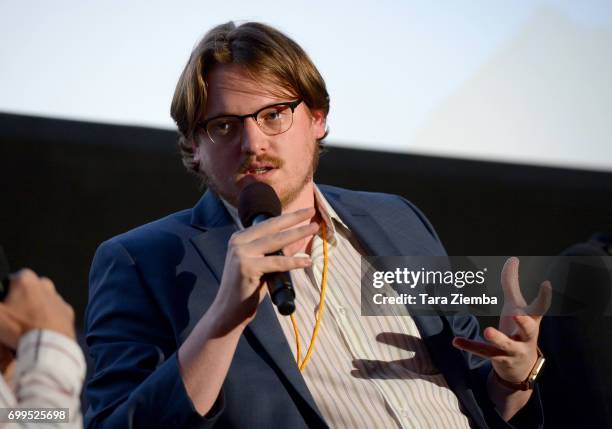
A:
(328, 214)
(233, 212)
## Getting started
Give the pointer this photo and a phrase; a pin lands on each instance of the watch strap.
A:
(529, 382)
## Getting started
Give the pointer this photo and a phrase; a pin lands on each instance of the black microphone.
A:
(257, 203)
(4, 275)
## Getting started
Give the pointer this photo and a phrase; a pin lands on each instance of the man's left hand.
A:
(512, 349)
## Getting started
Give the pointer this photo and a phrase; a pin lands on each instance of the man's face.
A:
(288, 158)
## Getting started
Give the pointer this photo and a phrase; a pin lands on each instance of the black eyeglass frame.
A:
(291, 104)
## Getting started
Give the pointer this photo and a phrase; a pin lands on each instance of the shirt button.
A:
(341, 312)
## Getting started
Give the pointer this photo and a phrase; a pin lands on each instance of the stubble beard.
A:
(288, 196)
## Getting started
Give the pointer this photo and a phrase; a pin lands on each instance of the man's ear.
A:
(196, 149)
(319, 122)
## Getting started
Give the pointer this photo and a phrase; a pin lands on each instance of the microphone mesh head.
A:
(258, 198)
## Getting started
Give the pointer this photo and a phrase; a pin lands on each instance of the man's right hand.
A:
(33, 303)
(242, 289)
(205, 356)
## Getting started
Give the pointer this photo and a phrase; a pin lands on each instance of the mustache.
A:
(264, 159)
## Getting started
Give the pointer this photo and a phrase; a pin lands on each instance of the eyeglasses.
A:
(272, 120)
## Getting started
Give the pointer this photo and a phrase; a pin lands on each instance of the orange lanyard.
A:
(315, 331)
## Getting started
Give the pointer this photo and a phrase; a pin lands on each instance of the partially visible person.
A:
(579, 337)
(42, 365)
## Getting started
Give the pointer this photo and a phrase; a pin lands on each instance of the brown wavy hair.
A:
(266, 54)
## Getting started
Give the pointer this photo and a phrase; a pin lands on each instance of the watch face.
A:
(536, 369)
(540, 365)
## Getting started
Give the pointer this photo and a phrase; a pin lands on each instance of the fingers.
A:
(24, 275)
(10, 327)
(541, 303)
(27, 277)
(277, 241)
(33, 303)
(478, 348)
(45, 282)
(510, 283)
(499, 344)
(527, 327)
(499, 340)
(273, 225)
(272, 264)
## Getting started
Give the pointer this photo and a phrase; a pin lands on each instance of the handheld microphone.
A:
(257, 203)
(4, 275)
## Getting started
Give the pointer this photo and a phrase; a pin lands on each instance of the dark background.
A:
(68, 185)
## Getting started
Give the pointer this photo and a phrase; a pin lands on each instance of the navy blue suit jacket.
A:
(150, 286)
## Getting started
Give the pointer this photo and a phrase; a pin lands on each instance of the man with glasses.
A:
(181, 328)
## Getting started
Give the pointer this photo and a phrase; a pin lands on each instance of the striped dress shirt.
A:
(365, 372)
(49, 373)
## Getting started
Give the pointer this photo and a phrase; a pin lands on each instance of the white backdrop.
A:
(524, 81)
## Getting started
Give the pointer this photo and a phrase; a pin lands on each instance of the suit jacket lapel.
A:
(211, 216)
(378, 242)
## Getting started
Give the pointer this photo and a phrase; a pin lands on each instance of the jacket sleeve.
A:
(532, 414)
(528, 417)
(136, 381)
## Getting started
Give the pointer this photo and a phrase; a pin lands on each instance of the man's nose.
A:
(253, 139)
